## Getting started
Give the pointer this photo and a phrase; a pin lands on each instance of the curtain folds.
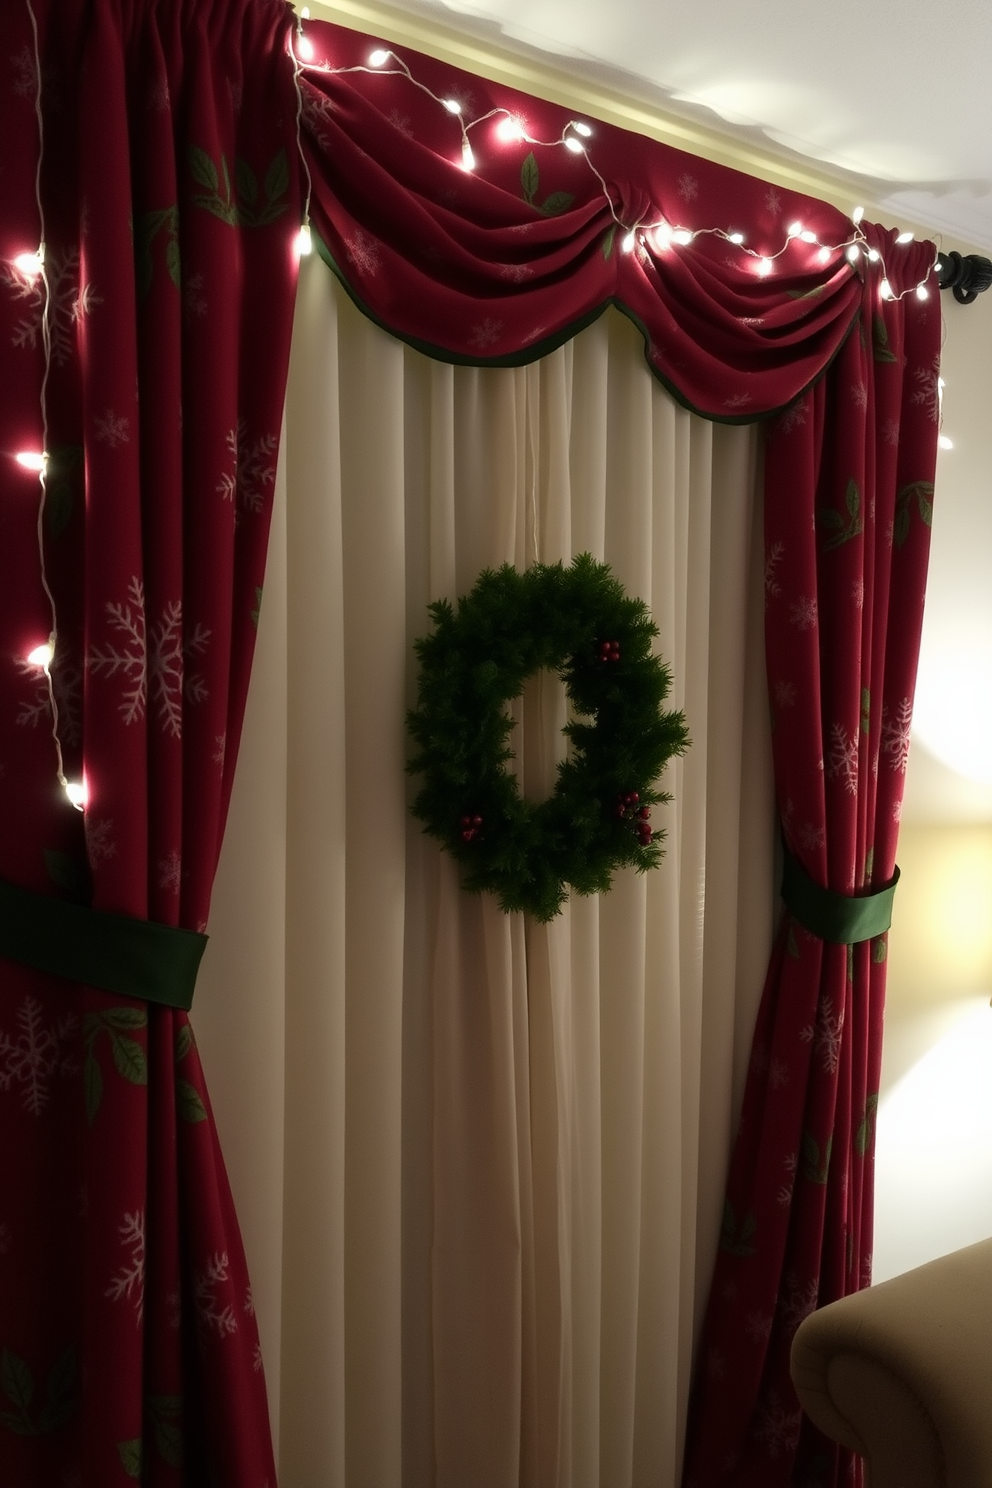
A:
(849, 485)
(743, 292)
(503, 1142)
(149, 362)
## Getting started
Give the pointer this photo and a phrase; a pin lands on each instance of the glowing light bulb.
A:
(468, 159)
(76, 791)
(853, 253)
(30, 263)
(922, 293)
(944, 442)
(628, 243)
(510, 129)
(32, 459)
(452, 105)
(824, 254)
(857, 215)
(735, 237)
(873, 255)
(682, 236)
(795, 231)
(764, 266)
(576, 146)
(304, 45)
(305, 12)
(582, 129)
(905, 237)
(42, 656)
(663, 236)
(379, 57)
(808, 237)
(304, 241)
(885, 290)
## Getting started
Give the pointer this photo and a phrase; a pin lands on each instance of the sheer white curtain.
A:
(479, 1162)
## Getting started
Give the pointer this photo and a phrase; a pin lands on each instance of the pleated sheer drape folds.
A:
(479, 1162)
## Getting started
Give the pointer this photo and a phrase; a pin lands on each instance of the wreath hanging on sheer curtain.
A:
(576, 621)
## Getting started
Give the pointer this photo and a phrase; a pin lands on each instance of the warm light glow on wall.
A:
(941, 942)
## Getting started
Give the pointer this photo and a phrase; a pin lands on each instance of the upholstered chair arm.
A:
(902, 1374)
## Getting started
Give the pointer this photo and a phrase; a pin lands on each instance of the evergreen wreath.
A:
(578, 622)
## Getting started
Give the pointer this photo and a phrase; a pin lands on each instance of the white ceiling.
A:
(894, 96)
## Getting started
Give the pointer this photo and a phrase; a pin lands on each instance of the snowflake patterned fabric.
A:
(847, 533)
(128, 1347)
(501, 264)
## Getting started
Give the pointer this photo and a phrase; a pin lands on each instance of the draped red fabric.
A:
(501, 263)
(128, 1346)
(848, 488)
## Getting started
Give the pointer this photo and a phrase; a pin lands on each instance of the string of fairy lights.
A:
(658, 233)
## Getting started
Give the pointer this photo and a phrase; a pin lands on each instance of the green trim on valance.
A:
(136, 958)
(843, 919)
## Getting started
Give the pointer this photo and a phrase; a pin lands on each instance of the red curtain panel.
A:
(849, 471)
(169, 186)
(149, 360)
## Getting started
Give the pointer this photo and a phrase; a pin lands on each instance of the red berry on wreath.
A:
(467, 834)
(477, 821)
(644, 813)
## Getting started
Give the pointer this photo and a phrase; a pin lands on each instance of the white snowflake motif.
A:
(773, 558)
(486, 334)
(859, 395)
(803, 613)
(6, 1239)
(113, 429)
(897, 811)
(747, 320)
(401, 122)
(151, 662)
(784, 1195)
(194, 300)
(927, 395)
(826, 1036)
(256, 1359)
(517, 273)
(688, 187)
(129, 1283)
(778, 1427)
(317, 110)
(890, 431)
(785, 694)
(68, 302)
(811, 838)
(794, 416)
(778, 1074)
(364, 252)
(842, 758)
(25, 83)
(798, 1301)
(67, 684)
(209, 1313)
(249, 1303)
(170, 872)
(759, 1326)
(100, 844)
(737, 400)
(858, 593)
(36, 1052)
(253, 468)
(220, 750)
(159, 97)
(895, 734)
(773, 202)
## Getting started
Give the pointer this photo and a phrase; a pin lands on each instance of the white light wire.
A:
(46, 342)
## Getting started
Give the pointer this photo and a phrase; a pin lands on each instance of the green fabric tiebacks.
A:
(136, 958)
(843, 919)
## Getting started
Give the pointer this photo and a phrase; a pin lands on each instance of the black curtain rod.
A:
(967, 276)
